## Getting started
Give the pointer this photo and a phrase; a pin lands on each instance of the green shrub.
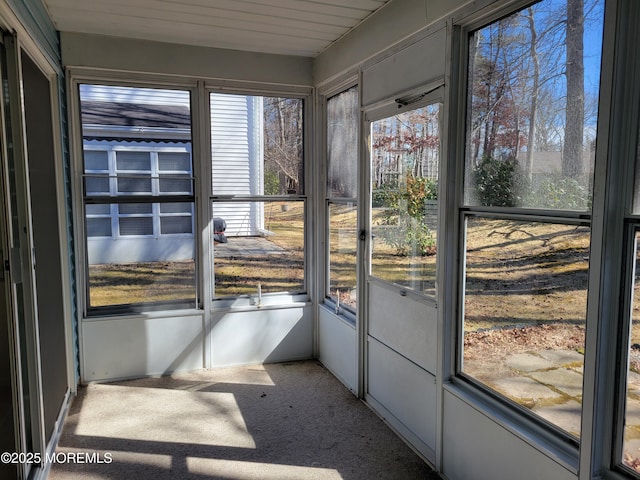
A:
(271, 183)
(404, 214)
(387, 196)
(418, 191)
(497, 182)
(557, 191)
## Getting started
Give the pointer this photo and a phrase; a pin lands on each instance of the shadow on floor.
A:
(278, 421)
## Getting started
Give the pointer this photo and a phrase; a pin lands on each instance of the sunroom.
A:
(437, 201)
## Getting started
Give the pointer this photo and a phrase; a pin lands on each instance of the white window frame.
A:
(349, 314)
(515, 419)
(270, 300)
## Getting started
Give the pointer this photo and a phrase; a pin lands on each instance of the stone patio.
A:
(550, 381)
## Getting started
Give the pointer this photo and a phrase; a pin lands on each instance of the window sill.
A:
(267, 302)
(166, 313)
(344, 316)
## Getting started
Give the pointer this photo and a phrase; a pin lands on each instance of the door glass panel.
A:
(405, 154)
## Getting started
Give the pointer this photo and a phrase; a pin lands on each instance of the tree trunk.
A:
(573, 142)
(534, 94)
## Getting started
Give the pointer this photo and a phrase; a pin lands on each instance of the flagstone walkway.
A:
(551, 382)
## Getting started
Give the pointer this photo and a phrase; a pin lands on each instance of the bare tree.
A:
(572, 152)
(535, 87)
(283, 141)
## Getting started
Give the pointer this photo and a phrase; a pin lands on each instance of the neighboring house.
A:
(140, 144)
(237, 160)
(546, 163)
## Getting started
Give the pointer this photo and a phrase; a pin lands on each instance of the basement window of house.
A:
(257, 196)
(531, 110)
(138, 197)
(343, 123)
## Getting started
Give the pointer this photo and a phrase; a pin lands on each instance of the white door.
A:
(400, 341)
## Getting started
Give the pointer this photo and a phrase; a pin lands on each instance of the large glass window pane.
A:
(343, 123)
(137, 142)
(136, 268)
(525, 297)
(114, 283)
(533, 106)
(258, 246)
(405, 150)
(343, 244)
(257, 145)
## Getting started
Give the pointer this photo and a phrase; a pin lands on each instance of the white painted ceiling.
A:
(290, 27)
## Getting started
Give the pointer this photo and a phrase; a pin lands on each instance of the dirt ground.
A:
(486, 351)
(507, 341)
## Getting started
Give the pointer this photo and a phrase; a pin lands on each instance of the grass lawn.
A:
(121, 284)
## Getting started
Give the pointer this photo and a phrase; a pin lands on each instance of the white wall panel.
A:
(405, 391)
(261, 336)
(95, 51)
(123, 347)
(404, 324)
(476, 447)
(337, 345)
(418, 64)
(123, 249)
(391, 25)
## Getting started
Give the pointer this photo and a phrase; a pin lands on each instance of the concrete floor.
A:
(278, 421)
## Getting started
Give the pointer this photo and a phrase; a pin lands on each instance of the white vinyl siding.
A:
(236, 158)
